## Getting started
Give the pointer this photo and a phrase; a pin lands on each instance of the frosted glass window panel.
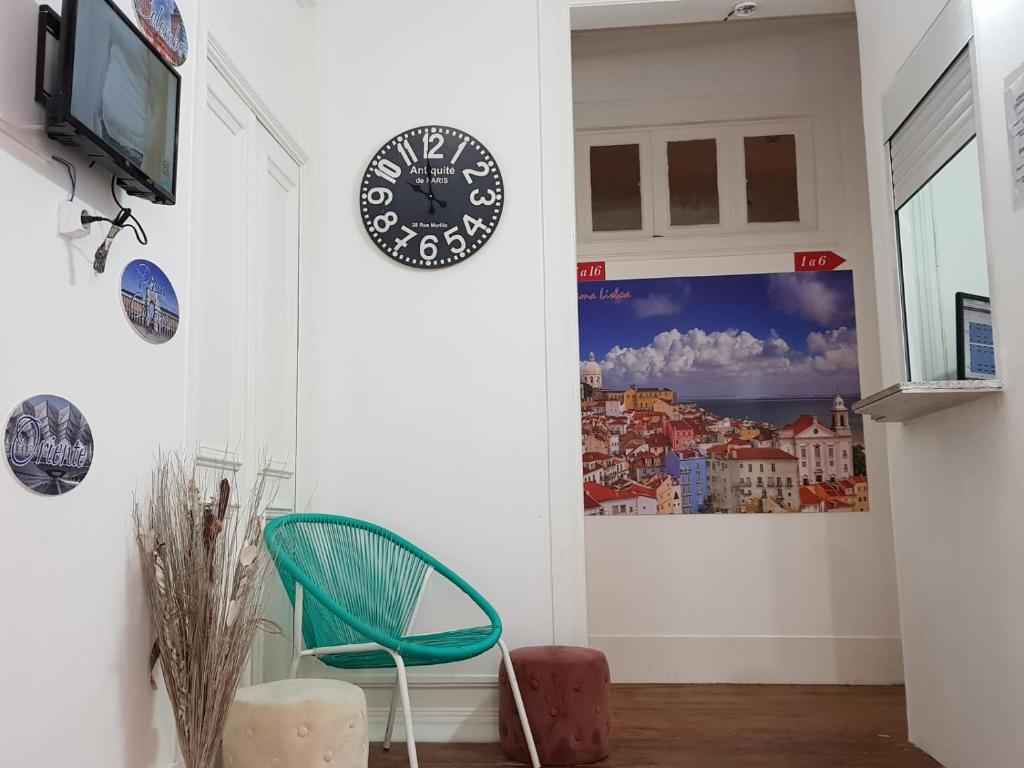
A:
(693, 182)
(773, 193)
(942, 252)
(615, 197)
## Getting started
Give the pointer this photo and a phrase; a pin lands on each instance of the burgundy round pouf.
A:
(566, 692)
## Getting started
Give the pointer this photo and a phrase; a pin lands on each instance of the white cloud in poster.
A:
(809, 297)
(675, 352)
(833, 351)
(656, 305)
(708, 362)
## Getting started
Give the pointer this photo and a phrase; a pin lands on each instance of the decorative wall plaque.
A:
(149, 301)
(161, 22)
(48, 445)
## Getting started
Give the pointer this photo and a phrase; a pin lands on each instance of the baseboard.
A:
(445, 708)
(753, 659)
(440, 724)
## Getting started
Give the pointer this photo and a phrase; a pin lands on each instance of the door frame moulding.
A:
(558, 211)
(227, 68)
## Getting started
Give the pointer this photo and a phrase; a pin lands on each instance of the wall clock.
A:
(431, 197)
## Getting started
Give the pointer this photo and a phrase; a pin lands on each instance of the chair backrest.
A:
(372, 575)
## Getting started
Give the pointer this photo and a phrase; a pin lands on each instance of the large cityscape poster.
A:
(725, 394)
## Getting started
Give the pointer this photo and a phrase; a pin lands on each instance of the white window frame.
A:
(727, 215)
(945, 40)
(655, 200)
(584, 209)
(803, 131)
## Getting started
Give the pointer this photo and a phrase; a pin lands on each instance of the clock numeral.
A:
(388, 171)
(405, 150)
(385, 221)
(428, 248)
(432, 143)
(401, 242)
(477, 199)
(458, 152)
(474, 225)
(481, 171)
(451, 237)
(380, 196)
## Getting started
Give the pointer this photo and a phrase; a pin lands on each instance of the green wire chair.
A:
(356, 588)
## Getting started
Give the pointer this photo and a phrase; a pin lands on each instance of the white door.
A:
(243, 352)
(218, 387)
(275, 367)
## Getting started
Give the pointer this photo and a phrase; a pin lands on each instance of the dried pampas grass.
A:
(203, 566)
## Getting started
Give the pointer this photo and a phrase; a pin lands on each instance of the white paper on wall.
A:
(1015, 127)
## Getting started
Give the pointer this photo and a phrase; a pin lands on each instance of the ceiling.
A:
(603, 14)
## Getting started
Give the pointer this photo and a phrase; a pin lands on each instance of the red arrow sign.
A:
(817, 261)
(590, 271)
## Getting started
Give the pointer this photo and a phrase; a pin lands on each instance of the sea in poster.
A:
(149, 301)
(48, 445)
(721, 394)
(785, 410)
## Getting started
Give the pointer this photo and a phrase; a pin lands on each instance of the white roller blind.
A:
(935, 131)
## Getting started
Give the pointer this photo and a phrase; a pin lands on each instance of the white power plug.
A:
(69, 219)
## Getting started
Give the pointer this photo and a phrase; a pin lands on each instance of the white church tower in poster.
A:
(591, 373)
(840, 417)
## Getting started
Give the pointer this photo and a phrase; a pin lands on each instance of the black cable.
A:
(124, 217)
(140, 233)
(72, 173)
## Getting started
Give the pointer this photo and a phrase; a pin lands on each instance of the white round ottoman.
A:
(297, 724)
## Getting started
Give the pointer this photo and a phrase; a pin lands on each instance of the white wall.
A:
(424, 400)
(74, 649)
(956, 518)
(275, 45)
(803, 598)
(74, 658)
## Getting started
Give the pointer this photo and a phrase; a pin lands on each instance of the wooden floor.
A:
(728, 726)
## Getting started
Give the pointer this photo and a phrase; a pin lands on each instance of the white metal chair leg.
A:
(296, 631)
(514, 685)
(391, 715)
(403, 689)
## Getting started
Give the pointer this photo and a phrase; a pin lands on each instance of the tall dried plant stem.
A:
(203, 565)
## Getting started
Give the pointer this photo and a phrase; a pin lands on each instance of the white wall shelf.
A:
(910, 400)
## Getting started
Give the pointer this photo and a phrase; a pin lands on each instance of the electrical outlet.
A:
(69, 219)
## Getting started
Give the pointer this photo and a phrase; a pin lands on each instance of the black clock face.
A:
(431, 197)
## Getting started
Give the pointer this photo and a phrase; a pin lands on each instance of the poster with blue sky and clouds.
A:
(721, 394)
(734, 336)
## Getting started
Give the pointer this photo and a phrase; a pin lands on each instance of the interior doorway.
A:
(730, 532)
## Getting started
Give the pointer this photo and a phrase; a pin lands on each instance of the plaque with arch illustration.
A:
(149, 301)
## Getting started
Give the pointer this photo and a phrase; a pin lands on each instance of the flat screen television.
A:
(114, 96)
